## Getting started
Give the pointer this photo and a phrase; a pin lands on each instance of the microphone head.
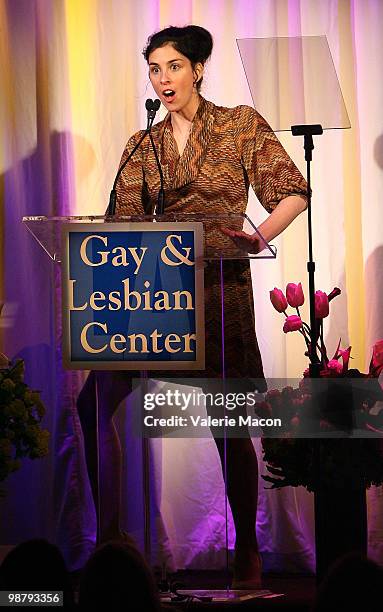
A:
(156, 104)
(149, 104)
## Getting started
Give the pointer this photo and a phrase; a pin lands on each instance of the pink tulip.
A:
(321, 305)
(334, 366)
(345, 354)
(278, 299)
(292, 323)
(376, 365)
(294, 294)
(377, 354)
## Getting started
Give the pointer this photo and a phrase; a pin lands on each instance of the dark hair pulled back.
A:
(194, 42)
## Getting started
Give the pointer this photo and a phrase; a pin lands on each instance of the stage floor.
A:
(297, 591)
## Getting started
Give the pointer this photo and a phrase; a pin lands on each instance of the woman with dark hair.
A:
(209, 157)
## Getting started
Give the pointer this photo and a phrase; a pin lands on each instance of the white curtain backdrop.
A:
(74, 84)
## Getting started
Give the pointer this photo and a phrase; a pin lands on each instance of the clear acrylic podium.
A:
(217, 246)
(48, 232)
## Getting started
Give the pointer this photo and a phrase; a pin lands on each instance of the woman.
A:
(209, 156)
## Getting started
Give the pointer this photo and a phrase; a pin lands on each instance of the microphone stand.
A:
(308, 131)
(161, 194)
(152, 108)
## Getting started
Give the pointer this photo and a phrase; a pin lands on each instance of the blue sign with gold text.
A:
(133, 296)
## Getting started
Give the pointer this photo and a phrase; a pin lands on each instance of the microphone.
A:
(152, 108)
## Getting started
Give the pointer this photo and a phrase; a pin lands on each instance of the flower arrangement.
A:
(334, 405)
(21, 412)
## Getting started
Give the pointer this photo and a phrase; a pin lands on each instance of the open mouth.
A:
(169, 94)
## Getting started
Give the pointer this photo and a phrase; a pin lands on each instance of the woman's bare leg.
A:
(242, 492)
(242, 487)
(241, 462)
(108, 389)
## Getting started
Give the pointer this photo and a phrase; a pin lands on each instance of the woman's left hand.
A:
(250, 243)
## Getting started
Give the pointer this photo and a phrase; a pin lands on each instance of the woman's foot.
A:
(247, 568)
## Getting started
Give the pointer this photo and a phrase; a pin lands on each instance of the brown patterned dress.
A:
(228, 149)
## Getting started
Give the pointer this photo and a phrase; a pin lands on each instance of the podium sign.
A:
(133, 296)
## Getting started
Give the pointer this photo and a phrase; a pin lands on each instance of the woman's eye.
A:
(175, 66)
(154, 70)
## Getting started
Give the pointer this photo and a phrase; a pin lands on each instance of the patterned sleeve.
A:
(271, 172)
(131, 187)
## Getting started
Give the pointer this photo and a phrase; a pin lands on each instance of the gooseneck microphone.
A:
(152, 108)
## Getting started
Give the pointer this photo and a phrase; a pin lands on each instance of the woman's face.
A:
(172, 73)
